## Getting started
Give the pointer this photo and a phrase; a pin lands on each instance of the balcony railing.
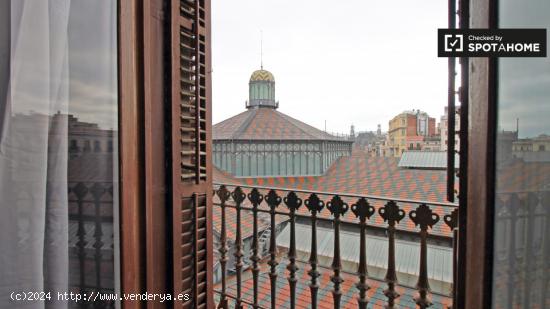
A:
(359, 211)
(522, 255)
(91, 247)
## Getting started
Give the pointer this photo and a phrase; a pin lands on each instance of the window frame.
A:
(476, 240)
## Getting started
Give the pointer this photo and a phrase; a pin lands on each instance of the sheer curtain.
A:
(33, 151)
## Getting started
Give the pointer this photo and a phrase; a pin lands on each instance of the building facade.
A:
(265, 142)
(87, 137)
(539, 143)
(370, 142)
(407, 131)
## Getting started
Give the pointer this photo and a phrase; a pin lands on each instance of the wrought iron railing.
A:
(521, 263)
(91, 248)
(287, 203)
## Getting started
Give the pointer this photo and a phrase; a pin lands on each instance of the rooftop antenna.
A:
(262, 49)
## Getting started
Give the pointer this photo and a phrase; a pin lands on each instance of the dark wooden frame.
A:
(130, 149)
(481, 166)
(155, 171)
(142, 150)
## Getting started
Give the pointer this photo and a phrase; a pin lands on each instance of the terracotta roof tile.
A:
(380, 177)
(247, 220)
(325, 299)
(266, 124)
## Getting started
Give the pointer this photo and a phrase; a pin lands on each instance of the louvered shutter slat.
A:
(191, 153)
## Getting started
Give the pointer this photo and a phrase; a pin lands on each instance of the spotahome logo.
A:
(454, 42)
(492, 43)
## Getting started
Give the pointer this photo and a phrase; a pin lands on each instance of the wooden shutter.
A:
(191, 152)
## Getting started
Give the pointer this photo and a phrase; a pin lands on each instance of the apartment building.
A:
(407, 132)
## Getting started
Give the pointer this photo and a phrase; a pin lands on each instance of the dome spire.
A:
(261, 88)
(261, 49)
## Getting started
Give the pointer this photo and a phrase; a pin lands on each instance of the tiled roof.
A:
(360, 174)
(325, 300)
(231, 222)
(266, 124)
(518, 176)
(222, 176)
(231, 215)
(534, 156)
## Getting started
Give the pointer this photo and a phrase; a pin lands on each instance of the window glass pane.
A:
(522, 207)
(58, 151)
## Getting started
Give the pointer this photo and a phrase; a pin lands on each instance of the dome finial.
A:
(262, 49)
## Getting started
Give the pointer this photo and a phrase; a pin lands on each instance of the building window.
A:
(74, 146)
(87, 146)
(97, 146)
(542, 148)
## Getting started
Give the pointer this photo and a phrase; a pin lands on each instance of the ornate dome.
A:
(261, 90)
(262, 75)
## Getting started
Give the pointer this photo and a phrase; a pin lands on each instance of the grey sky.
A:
(93, 62)
(347, 62)
(79, 33)
(524, 84)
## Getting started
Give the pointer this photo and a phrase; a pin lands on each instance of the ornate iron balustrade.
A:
(522, 256)
(287, 203)
(91, 247)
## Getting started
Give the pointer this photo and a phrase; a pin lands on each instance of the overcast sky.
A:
(524, 83)
(347, 62)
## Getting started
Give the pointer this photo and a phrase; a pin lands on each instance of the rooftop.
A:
(360, 174)
(425, 159)
(266, 124)
(247, 227)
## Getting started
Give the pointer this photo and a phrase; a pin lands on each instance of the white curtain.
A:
(33, 153)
